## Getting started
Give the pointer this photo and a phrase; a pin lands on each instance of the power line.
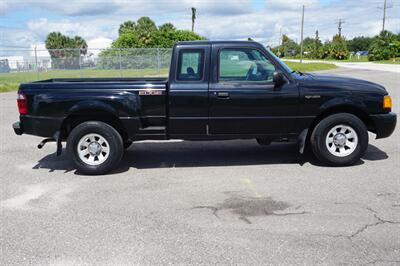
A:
(340, 22)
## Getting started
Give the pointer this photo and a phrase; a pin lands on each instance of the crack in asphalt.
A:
(366, 226)
(214, 209)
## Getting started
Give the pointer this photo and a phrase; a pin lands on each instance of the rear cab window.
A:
(190, 65)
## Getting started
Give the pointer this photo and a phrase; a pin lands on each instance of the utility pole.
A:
(193, 17)
(301, 41)
(384, 15)
(385, 7)
(339, 22)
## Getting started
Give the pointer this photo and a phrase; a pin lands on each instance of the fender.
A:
(91, 105)
(338, 104)
(343, 102)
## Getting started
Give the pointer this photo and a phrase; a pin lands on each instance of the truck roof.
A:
(217, 42)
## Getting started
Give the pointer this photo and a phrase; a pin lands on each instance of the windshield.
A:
(288, 69)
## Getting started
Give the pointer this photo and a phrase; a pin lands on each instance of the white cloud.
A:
(86, 29)
(16, 38)
(236, 19)
(292, 4)
(68, 8)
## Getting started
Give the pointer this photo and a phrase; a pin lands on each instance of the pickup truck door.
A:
(243, 98)
(188, 91)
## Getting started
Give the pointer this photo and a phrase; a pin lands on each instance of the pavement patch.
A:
(38, 197)
(245, 207)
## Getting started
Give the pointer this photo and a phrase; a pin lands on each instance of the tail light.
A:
(22, 104)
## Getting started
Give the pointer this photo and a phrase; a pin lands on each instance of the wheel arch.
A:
(91, 112)
(349, 109)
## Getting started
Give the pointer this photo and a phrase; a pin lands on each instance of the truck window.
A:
(244, 65)
(190, 65)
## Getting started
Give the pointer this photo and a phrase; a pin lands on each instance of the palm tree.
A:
(80, 44)
(126, 26)
(193, 17)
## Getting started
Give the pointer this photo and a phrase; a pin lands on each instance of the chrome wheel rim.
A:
(341, 140)
(93, 149)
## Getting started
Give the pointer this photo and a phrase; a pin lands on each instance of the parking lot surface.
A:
(225, 202)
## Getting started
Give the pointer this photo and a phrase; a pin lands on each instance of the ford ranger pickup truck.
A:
(216, 90)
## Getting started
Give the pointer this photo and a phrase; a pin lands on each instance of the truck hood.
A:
(341, 82)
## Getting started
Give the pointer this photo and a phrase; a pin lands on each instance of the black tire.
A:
(109, 134)
(319, 135)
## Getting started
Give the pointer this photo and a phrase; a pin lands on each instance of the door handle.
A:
(222, 94)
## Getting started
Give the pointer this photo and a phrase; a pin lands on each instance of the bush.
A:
(384, 47)
(336, 49)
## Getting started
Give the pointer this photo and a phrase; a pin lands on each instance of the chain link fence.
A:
(64, 63)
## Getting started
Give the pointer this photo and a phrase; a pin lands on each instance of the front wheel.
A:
(95, 147)
(340, 139)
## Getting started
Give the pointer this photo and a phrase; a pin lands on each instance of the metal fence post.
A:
(64, 60)
(158, 61)
(36, 64)
(120, 62)
(80, 68)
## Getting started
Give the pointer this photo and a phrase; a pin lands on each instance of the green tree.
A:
(143, 34)
(383, 47)
(336, 49)
(359, 44)
(127, 26)
(65, 52)
(146, 30)
(127, 39)
(167, 27)
(317, 47)
(80, 44)
(186, 35)
(308, 44)
(288, 47)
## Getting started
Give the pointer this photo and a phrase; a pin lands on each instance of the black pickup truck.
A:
(215, 91)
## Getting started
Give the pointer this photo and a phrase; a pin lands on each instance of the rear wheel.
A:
(340, 139)
(95, 147)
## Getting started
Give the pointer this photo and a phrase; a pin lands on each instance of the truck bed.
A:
(138, 102)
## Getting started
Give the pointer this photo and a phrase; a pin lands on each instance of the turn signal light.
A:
(387, 102)
(22, 104)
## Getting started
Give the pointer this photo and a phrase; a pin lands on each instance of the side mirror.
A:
(278, 79)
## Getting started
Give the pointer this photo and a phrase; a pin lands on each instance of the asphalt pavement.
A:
(395, 68)
(182, 202)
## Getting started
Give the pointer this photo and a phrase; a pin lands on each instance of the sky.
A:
(26, 23)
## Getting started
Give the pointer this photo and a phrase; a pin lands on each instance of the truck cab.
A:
(228, 90)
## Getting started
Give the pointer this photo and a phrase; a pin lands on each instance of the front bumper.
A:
(384, 124)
